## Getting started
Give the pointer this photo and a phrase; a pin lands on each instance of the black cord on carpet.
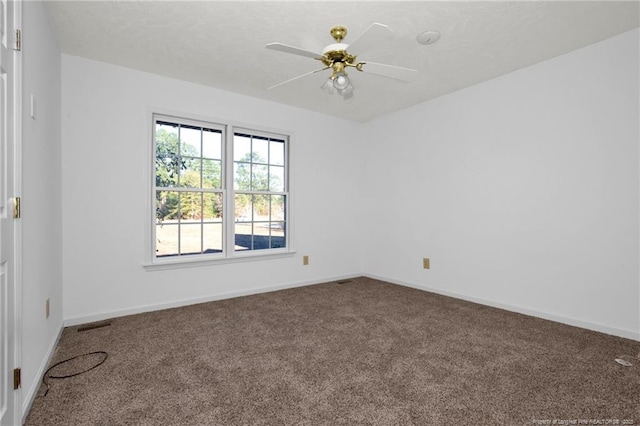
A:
(48, 376)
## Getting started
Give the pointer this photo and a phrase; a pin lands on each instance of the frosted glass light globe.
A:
(341, 82)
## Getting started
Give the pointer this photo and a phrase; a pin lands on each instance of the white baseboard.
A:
(68, 322)
(628, 334)
(46, 360)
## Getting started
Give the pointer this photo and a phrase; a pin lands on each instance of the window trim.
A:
(229, 254)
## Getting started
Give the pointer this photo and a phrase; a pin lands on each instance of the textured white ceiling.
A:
(222, 43)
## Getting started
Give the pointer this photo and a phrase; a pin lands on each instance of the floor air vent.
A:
(343, 281)
(93, 326)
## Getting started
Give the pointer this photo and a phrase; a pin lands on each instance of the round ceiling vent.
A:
(428, 37)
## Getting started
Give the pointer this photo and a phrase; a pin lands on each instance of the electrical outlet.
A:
(305, 260)
(46, 309)
(425, 263)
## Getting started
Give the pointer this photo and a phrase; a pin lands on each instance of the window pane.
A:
(190, 139)
(278, 235)
(259, 177)
(166, 171)
(260, 151)
(242, 176)
(211, 174)
(190, 173)
(276, 153)
(212, 207)
(166, 239)
(212, 144)
(212, 238)
(164, 127)
(243, 208)
(190, 206)
(167, 160)
(244, 236)
(261, 207)
(277, 207)
(276, 178)
(241, 148)
(190, 238)
(261, 236)
(166, 206)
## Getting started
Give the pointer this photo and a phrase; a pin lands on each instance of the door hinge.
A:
(17, 378)
(17, 210)
(18, 40)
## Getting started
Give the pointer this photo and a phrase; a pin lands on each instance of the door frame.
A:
(20, 416)
(17, 182)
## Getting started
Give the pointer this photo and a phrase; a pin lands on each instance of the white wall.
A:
(41, 197)
(105, 129)
(522, 190)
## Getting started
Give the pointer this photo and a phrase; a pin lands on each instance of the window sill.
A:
(178, 263)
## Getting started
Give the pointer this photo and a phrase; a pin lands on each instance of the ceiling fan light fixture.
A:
(341, 81)
(347, 93)
(328, 86)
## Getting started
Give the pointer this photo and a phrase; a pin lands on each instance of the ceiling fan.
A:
(336, 57)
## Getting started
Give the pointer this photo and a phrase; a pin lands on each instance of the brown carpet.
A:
(363, 352)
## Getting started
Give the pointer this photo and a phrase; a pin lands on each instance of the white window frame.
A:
(229, 254)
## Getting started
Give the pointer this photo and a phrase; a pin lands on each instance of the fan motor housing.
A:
(337, 52)
(335, 47)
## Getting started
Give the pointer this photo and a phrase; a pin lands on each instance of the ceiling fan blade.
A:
(295, 78)
(391, 71)
(280, 47)
(371, 37)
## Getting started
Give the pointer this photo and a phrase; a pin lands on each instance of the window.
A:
(219, 192)
(260, 197)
